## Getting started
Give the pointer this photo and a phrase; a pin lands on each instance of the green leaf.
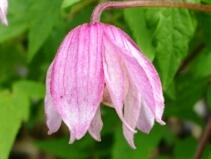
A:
(33, 90)
(189, 145)
(14, 109)
(18, 21)
(68, 3)
(206, 1)
(162, 157)
(45, 15)
(145, 144)
(10, 68)
(185, 148)
(173, 30)
(199, 68)
(61, 148)
(188, 92)
(140, 30)
(205, 24)
(208, 96)
(207, 152)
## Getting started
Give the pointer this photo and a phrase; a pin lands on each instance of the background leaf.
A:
(14, 109)
(173, 30)
(67, 3)
(41, 27)
(140, 30)
(145, 144)
(61, 148)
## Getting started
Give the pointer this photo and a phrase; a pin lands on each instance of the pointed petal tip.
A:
(78, 132)
(129, 136)
(131, 143)
(50, 132)
(71, 140)
(146, 131)
(3, 15)
(97, 138)
(95, 135)
(161, 122)
(4, 22)
(133, 146)
(128, 126)
(130, 139)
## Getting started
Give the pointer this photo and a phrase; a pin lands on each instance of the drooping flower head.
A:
(3, 11)
(97, 63)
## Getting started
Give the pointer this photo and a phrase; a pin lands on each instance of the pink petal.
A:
(78, 80)
(3, 11)
(132, 105)
(96, 126)
(115, 78)
(145, 120)
(139, 89)
(53, 118)
(123, 41)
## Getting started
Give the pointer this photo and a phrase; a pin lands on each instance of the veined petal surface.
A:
(77, 79)
(156, 101)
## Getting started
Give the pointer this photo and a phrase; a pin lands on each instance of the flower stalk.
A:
(146, 3)
(204, 140)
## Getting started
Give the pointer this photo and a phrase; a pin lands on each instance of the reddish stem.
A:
(146, 3)
(203, 141)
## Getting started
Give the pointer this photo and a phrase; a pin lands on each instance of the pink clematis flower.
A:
(3, 12)
(100, 63)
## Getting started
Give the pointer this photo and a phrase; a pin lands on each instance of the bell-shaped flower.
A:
(100, 63)
(3, 12)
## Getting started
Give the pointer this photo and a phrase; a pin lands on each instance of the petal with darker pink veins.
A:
(78, 80)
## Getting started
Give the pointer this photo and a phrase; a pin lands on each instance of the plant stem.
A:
(203, 141)
(146, 3)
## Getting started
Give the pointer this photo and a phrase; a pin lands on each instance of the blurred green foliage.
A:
(178, 41)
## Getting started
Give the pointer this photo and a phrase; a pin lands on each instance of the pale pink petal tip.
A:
(72, 139)
(161, 122)
(53, 118)
(3, 11)
(4, 21)
(96, 126)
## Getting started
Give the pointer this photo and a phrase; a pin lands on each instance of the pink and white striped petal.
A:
(78, 80)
